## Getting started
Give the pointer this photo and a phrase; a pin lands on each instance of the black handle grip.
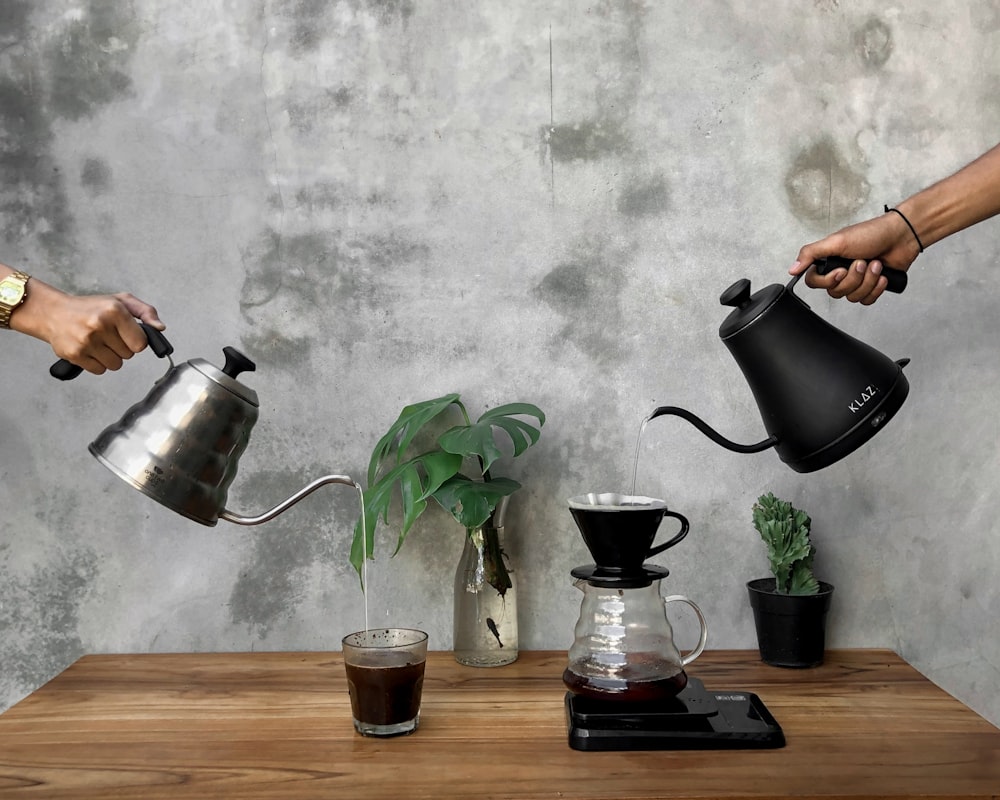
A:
(66, 371)
(896, 277)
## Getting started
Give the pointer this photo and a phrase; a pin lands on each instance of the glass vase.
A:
(485, 632)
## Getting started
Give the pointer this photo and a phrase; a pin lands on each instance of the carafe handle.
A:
(677, 537)
(700, 647)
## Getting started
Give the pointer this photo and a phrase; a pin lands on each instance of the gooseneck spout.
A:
(711, 433)
(229, 516)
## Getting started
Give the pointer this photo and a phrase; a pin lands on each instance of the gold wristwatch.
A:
(13, 292)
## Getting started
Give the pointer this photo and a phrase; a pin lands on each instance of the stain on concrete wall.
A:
(31, 192)
(64, 69)
(87, 58)
(95, 176)
(585, 141)
(823, 186)
(40, 614)
(873, 43)
(270, 584)
(585, 290)
(644, 195)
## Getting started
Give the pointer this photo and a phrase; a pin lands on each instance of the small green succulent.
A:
(785, 531)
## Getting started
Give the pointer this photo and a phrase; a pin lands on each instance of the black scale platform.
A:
(694, 720)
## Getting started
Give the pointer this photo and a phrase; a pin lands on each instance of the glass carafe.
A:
(624, 644)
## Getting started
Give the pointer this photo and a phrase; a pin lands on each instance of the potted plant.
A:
(485, 597)
(789, 609)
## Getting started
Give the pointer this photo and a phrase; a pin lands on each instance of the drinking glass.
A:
(385, 678)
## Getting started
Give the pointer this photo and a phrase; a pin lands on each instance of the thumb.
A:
(142, 311)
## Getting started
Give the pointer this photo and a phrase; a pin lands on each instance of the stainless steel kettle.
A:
(821, 393)
(181, 444)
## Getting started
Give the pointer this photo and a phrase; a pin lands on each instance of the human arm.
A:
(95, 332)
(959, 201)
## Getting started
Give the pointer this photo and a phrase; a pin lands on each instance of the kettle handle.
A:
(65, 370)
(896, 277)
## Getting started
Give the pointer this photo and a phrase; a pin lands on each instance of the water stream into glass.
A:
(364, 550)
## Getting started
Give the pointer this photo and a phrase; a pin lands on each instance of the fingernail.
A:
(876, 267)
(861, 266)
(794, 267)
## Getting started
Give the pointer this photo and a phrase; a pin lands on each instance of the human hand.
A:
(96, 332)
(872, 245)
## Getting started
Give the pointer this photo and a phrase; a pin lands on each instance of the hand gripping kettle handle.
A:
(896, 277)
(66, 371)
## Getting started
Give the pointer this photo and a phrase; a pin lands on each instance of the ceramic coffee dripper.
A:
(619, 529)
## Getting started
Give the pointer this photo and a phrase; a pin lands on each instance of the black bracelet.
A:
(908, 225)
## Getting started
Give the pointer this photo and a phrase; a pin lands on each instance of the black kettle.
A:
(821, 393)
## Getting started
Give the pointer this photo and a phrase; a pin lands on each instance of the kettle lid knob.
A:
(236, 362)
(747, 307)
(737, 295)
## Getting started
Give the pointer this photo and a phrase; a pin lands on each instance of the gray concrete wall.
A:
(382, 201)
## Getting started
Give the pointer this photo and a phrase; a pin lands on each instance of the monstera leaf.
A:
(415, 481)
(408, 424)
(436, 473)
(472, 502)
(478, 439)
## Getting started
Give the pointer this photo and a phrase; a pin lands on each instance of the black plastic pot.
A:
(791, 629)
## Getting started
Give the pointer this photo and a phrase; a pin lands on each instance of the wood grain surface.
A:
(278, 725)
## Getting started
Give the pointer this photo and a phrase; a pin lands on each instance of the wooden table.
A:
(278, 725)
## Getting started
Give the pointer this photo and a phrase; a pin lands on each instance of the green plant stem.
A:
(494, 566)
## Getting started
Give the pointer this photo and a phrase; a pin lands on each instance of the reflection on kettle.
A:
(181, 444)
(822, 394)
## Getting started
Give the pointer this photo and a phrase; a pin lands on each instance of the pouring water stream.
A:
(364, 560)
(635, 464)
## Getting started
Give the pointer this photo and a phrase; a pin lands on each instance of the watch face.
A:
(10, 294)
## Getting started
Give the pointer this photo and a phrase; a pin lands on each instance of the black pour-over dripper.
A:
(619, 531)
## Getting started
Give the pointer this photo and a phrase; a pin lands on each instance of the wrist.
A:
(909, 226)
(35, 314)
(935, 212)
(916, 215)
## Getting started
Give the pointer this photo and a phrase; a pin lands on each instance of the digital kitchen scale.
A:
(695, 719)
